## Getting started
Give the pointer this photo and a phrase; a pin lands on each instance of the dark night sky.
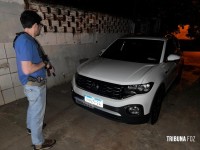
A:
(168, 9)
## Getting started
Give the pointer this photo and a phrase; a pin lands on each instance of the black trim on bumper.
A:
(125, 117)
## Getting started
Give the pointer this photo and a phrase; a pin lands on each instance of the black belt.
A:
(43, 82)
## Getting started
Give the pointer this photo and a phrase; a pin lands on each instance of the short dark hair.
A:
(29, 18)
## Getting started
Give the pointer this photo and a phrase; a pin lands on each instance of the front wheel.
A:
(156, 106)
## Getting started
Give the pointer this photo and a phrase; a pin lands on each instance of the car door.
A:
(170, 67)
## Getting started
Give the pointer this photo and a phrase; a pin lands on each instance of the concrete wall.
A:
(10, 87)
(65, 49)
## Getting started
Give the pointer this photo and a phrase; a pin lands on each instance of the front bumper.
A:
(116, 113)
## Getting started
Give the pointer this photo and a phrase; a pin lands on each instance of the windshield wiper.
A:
(122, 46)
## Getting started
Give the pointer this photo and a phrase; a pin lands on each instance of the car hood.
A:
(114, 71)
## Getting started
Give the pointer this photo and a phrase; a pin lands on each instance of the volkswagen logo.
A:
(95, 86)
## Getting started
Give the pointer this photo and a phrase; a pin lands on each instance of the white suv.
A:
(129, 79)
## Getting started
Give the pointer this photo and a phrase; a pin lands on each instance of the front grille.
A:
(102, 88)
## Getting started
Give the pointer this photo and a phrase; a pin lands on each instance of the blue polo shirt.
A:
(26, 49)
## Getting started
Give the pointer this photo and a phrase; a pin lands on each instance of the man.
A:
(32, 74)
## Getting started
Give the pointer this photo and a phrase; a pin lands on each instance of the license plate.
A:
(94, 101)
(82, 102)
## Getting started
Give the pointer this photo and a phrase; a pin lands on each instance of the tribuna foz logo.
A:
(180, 138)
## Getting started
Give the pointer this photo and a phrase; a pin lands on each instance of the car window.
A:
(135, 50)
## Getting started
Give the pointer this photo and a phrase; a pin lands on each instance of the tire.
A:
(156, 106)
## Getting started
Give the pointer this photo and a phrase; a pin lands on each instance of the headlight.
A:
(131, 90)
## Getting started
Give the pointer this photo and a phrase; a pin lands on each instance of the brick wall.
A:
(10, 88)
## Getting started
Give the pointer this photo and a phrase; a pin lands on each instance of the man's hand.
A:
(47, 65)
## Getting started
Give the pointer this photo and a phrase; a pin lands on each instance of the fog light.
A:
(133, 110)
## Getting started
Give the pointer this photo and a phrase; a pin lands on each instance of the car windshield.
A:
(135, 50)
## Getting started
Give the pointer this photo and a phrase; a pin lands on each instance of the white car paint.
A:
(129, 73)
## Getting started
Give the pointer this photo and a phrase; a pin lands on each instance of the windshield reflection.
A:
(135, 50)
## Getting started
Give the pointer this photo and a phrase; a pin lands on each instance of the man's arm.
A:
(28, 67)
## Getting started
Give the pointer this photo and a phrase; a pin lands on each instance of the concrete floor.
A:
(75, 128)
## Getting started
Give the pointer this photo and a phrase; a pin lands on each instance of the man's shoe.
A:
(48, 143)
(29, 130)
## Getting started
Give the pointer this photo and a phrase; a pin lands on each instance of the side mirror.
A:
(173, 57)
